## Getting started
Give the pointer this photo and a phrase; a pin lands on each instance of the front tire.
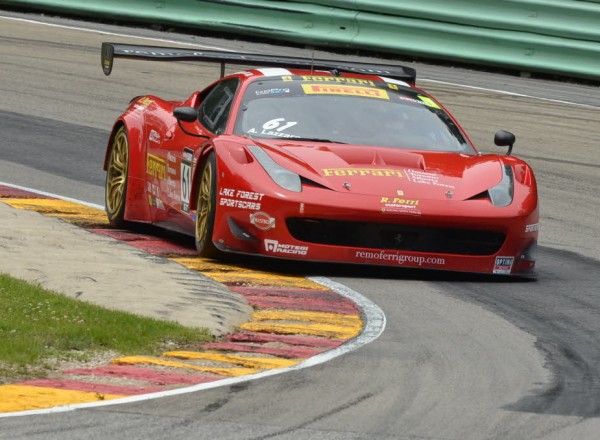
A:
(115, 193)
(205, 209)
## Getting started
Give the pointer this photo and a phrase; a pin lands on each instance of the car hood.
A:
(388, 171)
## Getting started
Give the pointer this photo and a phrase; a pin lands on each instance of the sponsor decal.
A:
(274, 247)
(375, 172)
(155, 202)
(273, 133)
(154, 137)
(171, 192)
(241, 194)
(401, 205)
(400, 201)
(394, 83)
(272, 92)
(237, 198)
(145, 101)
(331, 79)
(262, 220)
(338, 80)
(400, 258)
(155, 167)
(503, 265)
(411, 100)
(153, 189)
(187, 157)
(532, 228)
(425, 178)
(240, 204)
(429, 102)
(333, 89)
(142, 103)
(171, 159)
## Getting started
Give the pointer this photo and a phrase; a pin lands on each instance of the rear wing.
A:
(110, 51)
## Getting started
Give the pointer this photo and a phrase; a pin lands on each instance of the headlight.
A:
(282, 177)
(502, 194)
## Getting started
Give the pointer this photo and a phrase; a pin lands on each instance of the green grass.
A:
(37, 325)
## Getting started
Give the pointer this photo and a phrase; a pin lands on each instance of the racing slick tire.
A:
(205, 208)
(115, 193)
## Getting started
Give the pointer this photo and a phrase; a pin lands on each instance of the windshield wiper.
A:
(308, 139)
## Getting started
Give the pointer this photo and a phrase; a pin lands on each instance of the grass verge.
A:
(39, 329)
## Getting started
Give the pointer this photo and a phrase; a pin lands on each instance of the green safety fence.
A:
(552, 36)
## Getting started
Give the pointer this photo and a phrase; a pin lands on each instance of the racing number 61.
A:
(186, 178)
(275, 124)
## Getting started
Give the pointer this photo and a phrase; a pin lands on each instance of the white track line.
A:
(372, 315)
(47, 194)
(504, 92)
(162, 40)
(116, 34)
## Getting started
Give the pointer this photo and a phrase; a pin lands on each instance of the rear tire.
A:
(205, 209)
(115, 194)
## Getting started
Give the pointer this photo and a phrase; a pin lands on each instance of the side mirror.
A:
(186, 114)
(505, 139)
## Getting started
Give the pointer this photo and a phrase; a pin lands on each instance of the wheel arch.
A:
(136, 204)
(201, 157)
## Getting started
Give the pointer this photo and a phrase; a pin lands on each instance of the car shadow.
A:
(326, 269)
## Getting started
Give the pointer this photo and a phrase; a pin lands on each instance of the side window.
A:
(215, 108)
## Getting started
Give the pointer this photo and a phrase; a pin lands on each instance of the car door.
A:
(177, 152)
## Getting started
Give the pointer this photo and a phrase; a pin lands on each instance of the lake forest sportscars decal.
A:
(237, 198)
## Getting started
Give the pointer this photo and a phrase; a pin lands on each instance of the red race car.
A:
(318, 160)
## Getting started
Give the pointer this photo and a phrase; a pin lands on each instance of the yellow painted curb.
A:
(25, 397)
(60, 208)
(320, 330)
(136, 360)
(249, 362)
(230, 274)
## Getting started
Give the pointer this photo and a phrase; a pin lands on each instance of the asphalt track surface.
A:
(462, 357)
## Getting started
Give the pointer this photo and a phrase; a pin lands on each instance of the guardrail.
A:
(551, 36)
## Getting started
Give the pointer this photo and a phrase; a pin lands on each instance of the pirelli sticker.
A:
(347, 90)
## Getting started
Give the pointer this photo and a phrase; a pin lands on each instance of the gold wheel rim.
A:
(204, 207)
(116, 178)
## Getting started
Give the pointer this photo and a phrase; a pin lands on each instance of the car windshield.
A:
(347, 110)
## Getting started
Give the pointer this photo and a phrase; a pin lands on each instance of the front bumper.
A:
(466, 236)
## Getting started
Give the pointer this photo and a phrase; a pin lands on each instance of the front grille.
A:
(396, 236)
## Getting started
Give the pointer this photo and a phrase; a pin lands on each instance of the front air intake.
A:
(396, 236)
